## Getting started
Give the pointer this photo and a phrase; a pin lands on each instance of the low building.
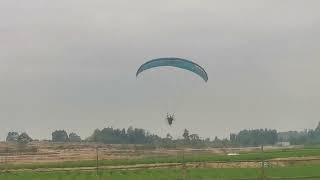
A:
(283, 144)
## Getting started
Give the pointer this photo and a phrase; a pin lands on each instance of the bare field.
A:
(44, 152)
(47, 152)
(56, 152)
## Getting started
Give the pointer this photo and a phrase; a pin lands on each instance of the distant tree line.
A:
(62, 136)
(15, 137)
(311, 136)
(132, 135)
(57, 136)
(251, 137)
(140, 136)
(255, 137)
(21, 142)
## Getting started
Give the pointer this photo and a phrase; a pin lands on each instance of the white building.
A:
(283, 144)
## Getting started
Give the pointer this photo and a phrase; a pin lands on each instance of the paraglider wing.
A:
(175, 62)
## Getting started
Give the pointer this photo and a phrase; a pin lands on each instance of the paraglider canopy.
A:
(175, 62)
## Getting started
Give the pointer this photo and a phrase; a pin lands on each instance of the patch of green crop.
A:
(155, 174)
(172, 174)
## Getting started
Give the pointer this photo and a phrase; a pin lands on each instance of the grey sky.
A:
(71, 65)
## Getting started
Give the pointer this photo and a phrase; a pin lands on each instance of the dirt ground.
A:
(44, 152)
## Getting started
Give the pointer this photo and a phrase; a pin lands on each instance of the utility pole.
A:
(184, 174)
(262, 165)
(97, 162)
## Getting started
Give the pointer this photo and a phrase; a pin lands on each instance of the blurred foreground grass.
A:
(163, 174)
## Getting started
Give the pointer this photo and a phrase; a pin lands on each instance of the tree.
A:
(12, 137)
(139, 136)
(318, 127)
(95, 136)
(60, 136)
(123, 135)
(130, 134)
(233, 137)
(185, 134)
(73, 137)
(255, 137)
(24, 139)
(195, 139)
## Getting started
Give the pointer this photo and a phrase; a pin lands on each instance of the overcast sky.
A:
(70, 64)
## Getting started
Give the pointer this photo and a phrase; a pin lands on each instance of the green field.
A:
(292, 170)
(253, 156)
(235, 173)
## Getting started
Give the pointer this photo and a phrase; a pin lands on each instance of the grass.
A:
(156, 174)
(294, 171)
(172, 174)
(253, 156)
(256, 156)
